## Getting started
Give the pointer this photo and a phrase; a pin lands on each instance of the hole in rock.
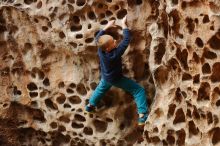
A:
(39, 4)
(103, 22)
(181, 134)
(208, 54)
(88, 131)
(138, 2)
(71, 1)
(217, 103)
(171, 110)
(43, 93)
(160, 52)
(61, 99)
(66, 105)
(62, 35)
(74, 99)
(81, 89)
(70, 91)
(93, 85)
(109, 120)
(89, 26)
(5, 71)
(216, 135)
(170, 139)
(204, 91)
(46, 82)
(205, 19)
(182, 56)
(76, 125)
(108, 13)
(180, 116)
(91, 15)
(61, 85)
(75, 19)
(70, 7)
(63, 2)
(121, 13)
(199, 42)
(190, 25)
(89, 40)
(45, 53)
(214, 42)
(215, 77)
(121, 126)
(33, 94)
(32, 86)
(79, 118)
(73, 44)
(79, 110)
(186, 76)
(53, 125)
(76, 28)
(192, 128)
(209, 118)
(116, 7)
(28, 2)
(44, 28)
(100, 126)
(61, 128)
(80, 2)
(50, 104)
(79, 36)
(196, 79)
(64, 118)
(5, 105)
(175, 2)
(212, 28)
(206, 68)
(72, 85)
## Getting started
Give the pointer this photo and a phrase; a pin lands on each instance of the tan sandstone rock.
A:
(49, 68)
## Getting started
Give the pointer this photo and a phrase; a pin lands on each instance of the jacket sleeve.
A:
(123, 44)
(100, 33)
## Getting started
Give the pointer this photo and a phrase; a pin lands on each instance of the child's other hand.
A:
(110, 23)
(124, 22)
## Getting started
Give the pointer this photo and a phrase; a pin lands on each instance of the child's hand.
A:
(110, 23)
(124, 22)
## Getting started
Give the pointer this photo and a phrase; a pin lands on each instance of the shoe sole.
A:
(141, 124)
(92, 112)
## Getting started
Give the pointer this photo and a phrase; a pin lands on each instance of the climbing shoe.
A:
(90, 108)
(141, 120)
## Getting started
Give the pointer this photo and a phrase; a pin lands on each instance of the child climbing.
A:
(111, 71)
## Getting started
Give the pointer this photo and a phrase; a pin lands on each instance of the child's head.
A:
(106, 43)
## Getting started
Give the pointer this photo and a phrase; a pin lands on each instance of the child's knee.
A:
(141, 89)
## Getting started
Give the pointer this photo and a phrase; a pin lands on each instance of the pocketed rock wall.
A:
(49, 68)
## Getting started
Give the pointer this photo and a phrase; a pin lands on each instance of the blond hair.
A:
(103, 41)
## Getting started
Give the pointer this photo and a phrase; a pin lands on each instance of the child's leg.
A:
(99, 92)
(136, 90)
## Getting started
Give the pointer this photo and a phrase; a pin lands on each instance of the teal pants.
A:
(126, 84)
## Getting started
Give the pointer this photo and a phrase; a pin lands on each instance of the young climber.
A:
(111, 71)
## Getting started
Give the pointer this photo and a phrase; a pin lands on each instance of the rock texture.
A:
(49, 68)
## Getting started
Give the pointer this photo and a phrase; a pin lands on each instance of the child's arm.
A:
(126, 39)
(102, 31)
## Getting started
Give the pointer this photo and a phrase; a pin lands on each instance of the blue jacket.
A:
(110, 62)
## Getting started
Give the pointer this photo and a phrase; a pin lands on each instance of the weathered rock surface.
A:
(49, 68)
